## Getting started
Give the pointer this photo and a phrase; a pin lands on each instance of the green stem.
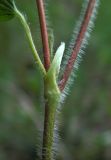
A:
(52, 99)
(31, 42)
(52, 96)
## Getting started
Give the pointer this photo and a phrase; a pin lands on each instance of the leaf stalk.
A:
(30, 39)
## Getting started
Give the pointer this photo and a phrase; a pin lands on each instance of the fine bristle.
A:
(82, 47)
(76, 64)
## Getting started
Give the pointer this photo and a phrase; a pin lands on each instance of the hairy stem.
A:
(48, 133)
(44, 33)
(52, 96)
(77, 46)
(31, 43)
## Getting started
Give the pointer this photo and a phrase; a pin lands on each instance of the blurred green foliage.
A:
(85, 120)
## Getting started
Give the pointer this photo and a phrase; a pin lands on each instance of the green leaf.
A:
(55, 66)
(7, 11)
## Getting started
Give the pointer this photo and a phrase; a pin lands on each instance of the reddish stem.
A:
(44, 33)
(77, 45)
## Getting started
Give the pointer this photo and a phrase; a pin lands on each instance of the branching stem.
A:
(77, 46)
(44, 33)
(52, 97)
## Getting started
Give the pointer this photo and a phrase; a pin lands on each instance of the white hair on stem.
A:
(77, 61)
(82, 47)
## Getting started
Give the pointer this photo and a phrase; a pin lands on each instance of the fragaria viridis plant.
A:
(59, 68)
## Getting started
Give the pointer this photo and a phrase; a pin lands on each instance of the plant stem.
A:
(52, 96)
(31, 43)
(77, 46)
(51, 93)
(49, 119)
(44, 33)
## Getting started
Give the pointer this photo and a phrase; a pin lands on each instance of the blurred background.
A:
(85, 120)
